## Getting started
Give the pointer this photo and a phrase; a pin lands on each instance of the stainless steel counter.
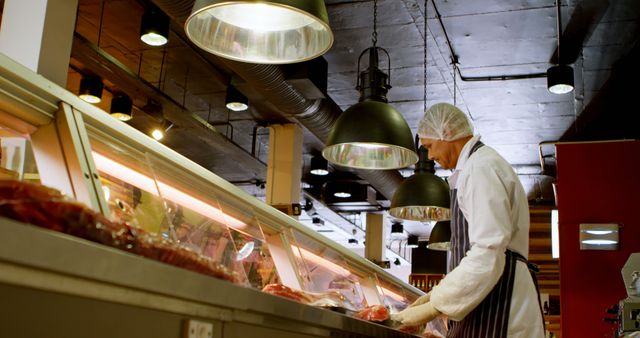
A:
(55, 285)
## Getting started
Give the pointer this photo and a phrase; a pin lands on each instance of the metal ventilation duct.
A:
(316, 115)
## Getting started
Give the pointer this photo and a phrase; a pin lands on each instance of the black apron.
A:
(491, 317)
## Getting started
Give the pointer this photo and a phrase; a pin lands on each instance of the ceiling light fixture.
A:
(91, 89)
(440, 238)
(121, 106)
(560, 77)
(397, 230)
(319, 166)
(161, 130)
(265, 32)
(423, 196)
(235, 100)
(371, 134)
(154, 28)
(342, 194)
(412, 241)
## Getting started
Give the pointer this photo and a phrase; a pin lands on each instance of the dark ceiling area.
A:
(501, 49)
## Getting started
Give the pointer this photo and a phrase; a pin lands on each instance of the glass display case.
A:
(50, 137)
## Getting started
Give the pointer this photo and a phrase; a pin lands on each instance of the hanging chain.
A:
(374, 36)
(454, 82)
(558, 27)
(425, 57)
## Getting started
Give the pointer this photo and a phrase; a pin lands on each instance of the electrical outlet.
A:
(198, 329)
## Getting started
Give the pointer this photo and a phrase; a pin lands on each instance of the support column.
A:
(284, 168)
(38, 34)
(375, 240)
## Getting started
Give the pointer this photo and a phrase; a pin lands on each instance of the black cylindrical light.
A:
(121, 106)
(560, 79)
(412, 241)
(235, 100)
(319, 166)
(440, 237)
(397, 230)
(154, 28)
(91, 89)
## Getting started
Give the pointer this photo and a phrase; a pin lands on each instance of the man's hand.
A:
(416, 315)
(423, 299)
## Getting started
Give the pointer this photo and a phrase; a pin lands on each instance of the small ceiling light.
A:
(154, 28)
(599, 236)
(319, 166)
(371, 134)
(440, 238)
(121, 106)
(235, 100)
(342, 194)
(412, 241)
(422, 196)
(397, 230)
(157, 134)
(266, 32)
(160, 130)
(91, 89)
(560, 77)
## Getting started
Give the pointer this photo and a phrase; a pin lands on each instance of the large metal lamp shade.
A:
(371, 135)
(266, 32)
(440, 238)
(422, 196)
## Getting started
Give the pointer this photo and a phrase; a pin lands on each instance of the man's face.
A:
(441, 152)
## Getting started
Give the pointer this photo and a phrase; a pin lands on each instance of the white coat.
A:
(495, 205)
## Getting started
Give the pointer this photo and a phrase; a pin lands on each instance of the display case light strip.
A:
(306, 254)
(146, 183)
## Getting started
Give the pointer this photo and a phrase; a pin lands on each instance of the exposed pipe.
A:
(454, 60)
(316, 115)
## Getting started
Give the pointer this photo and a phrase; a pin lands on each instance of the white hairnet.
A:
(444, 122)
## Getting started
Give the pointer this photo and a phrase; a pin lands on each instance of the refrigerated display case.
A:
(173, 211)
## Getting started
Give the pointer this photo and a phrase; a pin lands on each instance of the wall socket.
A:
(198, 329)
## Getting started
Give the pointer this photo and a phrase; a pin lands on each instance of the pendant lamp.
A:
(91, 89)
(266, 32)
(440, 238)
(121, 107)
(423, 196)
(559, 77)
(154, 27)
(319, 166)
(371, 134)
(412, 241)
(235, 100)
(397, 230)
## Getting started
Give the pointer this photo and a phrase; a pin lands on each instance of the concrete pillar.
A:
(284, 168)
(38, 34)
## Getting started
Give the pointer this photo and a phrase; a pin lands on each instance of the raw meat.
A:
(375, 313)
(48, 208)
(287, 292)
